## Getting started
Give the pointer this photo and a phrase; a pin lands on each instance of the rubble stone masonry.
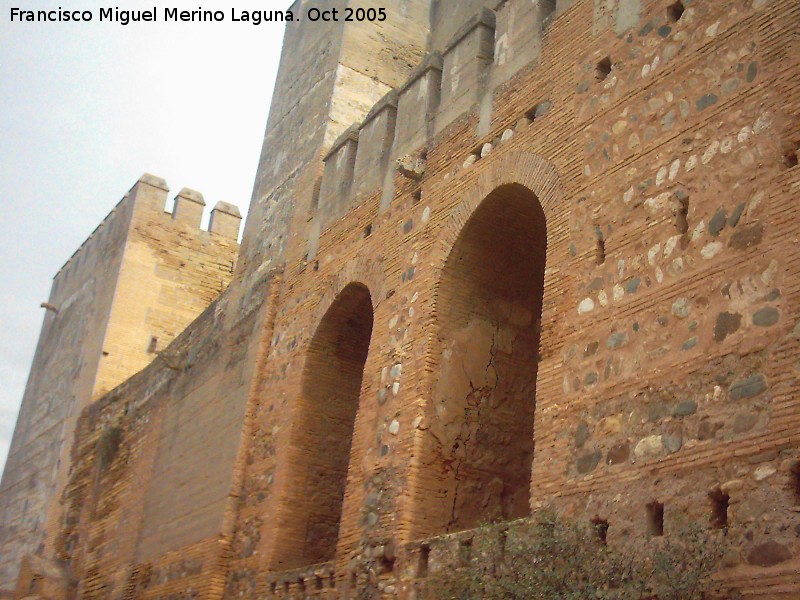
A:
(534, 254)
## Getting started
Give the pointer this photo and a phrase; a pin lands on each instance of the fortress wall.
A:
(298, 112)
(375, 144)
(140, 275)
(417, 105)
(668, 330)
(192, 506)
(448, 17)
(150, 518)
(643, 393)
(465, 71)
(375, 58)
(518, 37)
(171, 271)
(338, 177)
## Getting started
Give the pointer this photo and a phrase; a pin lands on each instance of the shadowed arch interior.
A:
(331, 387)
(489, 307)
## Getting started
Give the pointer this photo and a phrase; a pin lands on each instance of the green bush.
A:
(551, 558)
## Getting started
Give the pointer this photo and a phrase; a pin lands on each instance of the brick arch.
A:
(323, 427)
(523, 168)
(488, 298)
(369, 273)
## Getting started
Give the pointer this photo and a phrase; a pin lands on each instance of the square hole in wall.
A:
(387, 565)
(423, 558)
(675, 11)
(538, 111)
(790, 158)
(600, 247)
(794, 482)
(603, 69)
(682, 214)
(655, 519)
(465, 551)
(719, 508)
(600, 527)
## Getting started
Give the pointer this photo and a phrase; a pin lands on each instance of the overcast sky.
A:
(85, 109)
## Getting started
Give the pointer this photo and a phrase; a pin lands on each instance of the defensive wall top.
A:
(459, 73)
(150, 193)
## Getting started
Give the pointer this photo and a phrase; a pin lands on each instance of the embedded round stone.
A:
(747, 237)
(616, 340)
(768, 554)
(685, 408)
(586, 305)
(717, 222)
(766, 317)
(652, 444)
(581, 434)
(748, 387)
(619, 453)
(680, 308)
(672, 442)
(588, 462)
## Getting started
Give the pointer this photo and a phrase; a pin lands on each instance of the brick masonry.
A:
(590, 261)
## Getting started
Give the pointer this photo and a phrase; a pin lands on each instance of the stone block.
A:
(465, 72)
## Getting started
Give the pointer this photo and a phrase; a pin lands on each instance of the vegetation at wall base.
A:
(555, 558)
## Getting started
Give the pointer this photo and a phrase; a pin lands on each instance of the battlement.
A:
(150, 193)
(456, 77)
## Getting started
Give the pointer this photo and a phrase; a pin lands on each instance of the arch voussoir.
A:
(523, 168)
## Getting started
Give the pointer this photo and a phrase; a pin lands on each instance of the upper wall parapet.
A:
(484, 18)
(455, 77)
(150, 194)
(117, 220)
(188, 207)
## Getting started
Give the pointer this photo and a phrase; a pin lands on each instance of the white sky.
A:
(85, 109)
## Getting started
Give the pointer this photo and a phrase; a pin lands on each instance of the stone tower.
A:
(132, 286)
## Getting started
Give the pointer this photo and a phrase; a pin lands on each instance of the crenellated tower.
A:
(129, 289)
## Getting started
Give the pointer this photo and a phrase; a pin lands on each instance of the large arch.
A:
(331, 386)
(489, 313)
